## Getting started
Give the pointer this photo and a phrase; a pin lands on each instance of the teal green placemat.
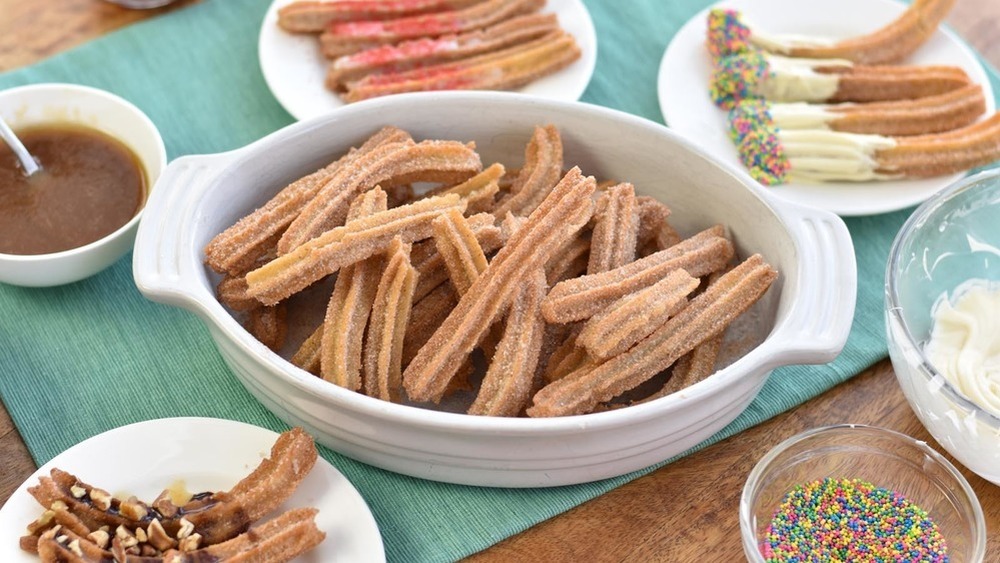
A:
(81, 359)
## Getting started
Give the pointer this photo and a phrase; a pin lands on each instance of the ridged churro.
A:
(349, 307)
(506, 387)
(569, 262)
(504, 69)
(564, 211)
(430, 263)
(780, 79)
(237, 248)
(635, 316)
(655, 231)
(384, 343)
(389, 165)
(456, 243)
(932, 114)
(423, 52)
(345, 245)
(704, 317)
(479, 191)
(774, 156)
(307, 356)
(728, 33)
(616, 228)
(313, 16)
(268, 325)
(581, 298)
(349, 37)
(543, 164)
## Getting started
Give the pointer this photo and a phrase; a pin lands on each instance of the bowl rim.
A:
(161, 156)
(748, 534)
(893, 307)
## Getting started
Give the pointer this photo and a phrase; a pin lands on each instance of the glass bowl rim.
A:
(749, 535)
(917, 219)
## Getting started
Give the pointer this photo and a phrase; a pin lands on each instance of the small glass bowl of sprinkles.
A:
(856, 493)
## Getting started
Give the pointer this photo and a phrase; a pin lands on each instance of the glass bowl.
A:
(951, 238)
(882, 457)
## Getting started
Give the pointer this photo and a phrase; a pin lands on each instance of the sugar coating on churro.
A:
(616, 229)
(635, 316)
(704, 317)
(350, 305)
(508, 381)
(561, 214)
(384, 343)
(543, 163)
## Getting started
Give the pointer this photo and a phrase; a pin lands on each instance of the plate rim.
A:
(895, 204)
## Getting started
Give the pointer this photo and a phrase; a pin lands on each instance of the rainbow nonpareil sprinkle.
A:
(727, 34)
(737, 77)
(850, 520)
(752, 130)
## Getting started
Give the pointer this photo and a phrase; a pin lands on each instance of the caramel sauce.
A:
(89, 186)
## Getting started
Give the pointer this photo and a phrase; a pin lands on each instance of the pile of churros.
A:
(533, 291)
(815, 110)
(84, 523)
(381, 48)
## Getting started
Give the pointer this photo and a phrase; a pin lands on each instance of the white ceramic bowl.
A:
(951, 238)
(806, 315)
(39, 104)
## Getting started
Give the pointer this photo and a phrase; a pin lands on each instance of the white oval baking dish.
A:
(806, 315)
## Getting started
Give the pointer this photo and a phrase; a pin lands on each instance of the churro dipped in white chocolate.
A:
(728, 33)
(776, 78)
(774, 156)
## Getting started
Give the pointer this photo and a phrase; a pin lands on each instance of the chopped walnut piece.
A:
(127, 538)
(190, 543)
(158, 537)
(43, 521)
(77, 491)
(58, 505)
(62, 538)
(133, 509)
(74, 546)
(164, 505)
(100, 538)
(100, 498)
(187, 528)
(140, 535)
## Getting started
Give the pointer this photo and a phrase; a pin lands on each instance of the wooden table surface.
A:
(686, 511)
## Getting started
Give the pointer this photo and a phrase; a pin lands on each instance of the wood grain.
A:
(31, 30)
(686, 511)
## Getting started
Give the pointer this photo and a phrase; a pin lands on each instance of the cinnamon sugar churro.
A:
(566, 210)
(462, 303)
(313, 16)
(349, 307)
(581, 298)
(384, 344)
(707, 315)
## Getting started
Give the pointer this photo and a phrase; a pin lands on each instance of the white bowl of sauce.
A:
(100, 155)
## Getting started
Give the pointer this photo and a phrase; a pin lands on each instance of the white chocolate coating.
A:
(965, 342)
(796, 80)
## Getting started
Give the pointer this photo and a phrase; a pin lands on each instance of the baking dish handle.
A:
(820, 320)
(161, 266)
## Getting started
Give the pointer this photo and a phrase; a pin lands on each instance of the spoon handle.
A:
(29, 164)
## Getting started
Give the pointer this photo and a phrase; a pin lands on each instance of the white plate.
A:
(208, 455)
(294, 68)
(686, 67)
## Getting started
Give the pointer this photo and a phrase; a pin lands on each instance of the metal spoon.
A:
(15, 144)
